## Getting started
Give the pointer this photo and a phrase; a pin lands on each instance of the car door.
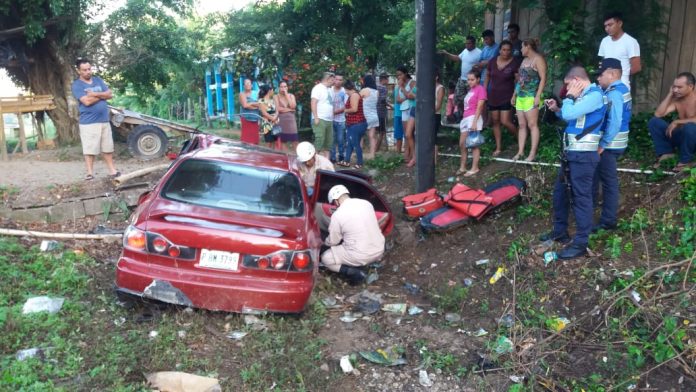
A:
(358, 188)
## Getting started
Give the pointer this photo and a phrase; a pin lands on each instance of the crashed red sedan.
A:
(231, 227)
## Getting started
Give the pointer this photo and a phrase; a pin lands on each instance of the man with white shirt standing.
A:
(323, 114)
(469, 57)
(619, 45)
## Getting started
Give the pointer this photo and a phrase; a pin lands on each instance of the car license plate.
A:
(219, 259)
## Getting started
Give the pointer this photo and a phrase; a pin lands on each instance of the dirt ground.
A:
(432, 263)
(45, 175)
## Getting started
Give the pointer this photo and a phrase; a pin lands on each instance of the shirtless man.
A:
(681, 133)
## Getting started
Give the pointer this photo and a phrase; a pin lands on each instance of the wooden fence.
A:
(18, 105)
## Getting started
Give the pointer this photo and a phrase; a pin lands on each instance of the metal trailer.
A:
(145, 135)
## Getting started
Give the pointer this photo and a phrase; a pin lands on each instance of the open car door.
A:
(358, 188)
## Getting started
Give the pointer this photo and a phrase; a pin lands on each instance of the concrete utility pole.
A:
(425, 95)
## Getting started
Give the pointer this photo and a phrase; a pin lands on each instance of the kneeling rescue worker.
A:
(355, 239)
(583, 109)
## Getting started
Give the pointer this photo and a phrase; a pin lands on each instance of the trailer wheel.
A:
(147, 142)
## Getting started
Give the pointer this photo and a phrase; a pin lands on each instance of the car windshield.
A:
(235, 187)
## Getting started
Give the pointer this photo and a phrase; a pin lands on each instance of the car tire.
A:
(147, 142)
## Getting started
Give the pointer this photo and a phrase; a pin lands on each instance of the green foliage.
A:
(563, 40)
(140, 56)
(449, 297)
(286, 357)
(540, 208)
(516, 249)
(573, 34)
(93, 343)
(291, 39)
(385, 162)
(447, 362)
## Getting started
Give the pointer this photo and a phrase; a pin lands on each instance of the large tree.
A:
(40, 40)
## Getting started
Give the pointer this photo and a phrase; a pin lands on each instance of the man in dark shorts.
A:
(382, 109)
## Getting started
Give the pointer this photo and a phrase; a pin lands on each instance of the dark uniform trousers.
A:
(608, 177)
(583, 166)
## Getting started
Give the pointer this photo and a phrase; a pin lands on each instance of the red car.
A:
(231, 227)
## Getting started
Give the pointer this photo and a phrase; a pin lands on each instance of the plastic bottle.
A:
(497, 275)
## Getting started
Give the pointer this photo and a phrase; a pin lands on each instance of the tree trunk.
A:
(48, 69)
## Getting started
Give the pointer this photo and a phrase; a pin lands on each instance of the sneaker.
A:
(563, 238)
(353, 275)
(572, 251)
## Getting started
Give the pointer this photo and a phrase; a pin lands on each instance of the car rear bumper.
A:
(231, 293)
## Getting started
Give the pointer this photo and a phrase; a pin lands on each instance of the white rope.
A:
(623, 170)
(73, 236)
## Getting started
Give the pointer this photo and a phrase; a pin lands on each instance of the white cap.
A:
(336, 192)
(305, 151)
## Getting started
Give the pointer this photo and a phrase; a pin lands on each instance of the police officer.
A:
(583, 109)
(613, 142)
(355, 239)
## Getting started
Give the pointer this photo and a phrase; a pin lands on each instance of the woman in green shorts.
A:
(527, 97)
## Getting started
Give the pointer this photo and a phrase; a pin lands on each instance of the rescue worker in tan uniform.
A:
(355, 239)
(308, 162)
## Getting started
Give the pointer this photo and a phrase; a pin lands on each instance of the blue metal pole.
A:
(209, 93)
(230, 95)
(218, 90)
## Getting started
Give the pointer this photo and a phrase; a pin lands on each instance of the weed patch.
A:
(449, 297)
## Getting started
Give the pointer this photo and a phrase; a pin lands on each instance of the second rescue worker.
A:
(583, 109)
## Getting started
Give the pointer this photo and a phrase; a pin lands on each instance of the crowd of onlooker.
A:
(500, 85)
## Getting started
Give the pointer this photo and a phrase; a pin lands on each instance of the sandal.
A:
(89, 177)
(470, 173)
(516, 157)
(343, 163)
(662, 158)
(117, 174)
(682, 167)
(460, 171)
(496, 153)
(357, 167)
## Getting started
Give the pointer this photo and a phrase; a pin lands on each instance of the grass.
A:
(644, 302)
(449, 297)
(8, 191)
(96, 343)
(447, 362)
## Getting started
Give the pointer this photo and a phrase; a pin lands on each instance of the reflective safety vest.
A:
(620, 141)
(591, 122)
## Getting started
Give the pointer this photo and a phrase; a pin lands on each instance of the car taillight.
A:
(301, 260)
(155, 243)
(174, 251)
(282, 260)
(159, 244)
(263, 262)
(278, 260)
(134, 238)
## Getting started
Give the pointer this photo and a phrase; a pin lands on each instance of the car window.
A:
(235, 187)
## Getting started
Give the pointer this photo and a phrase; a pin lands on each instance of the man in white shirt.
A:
(323, 114)
(308, 162)
(619, 45)
(355, 239)
(469, 57)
